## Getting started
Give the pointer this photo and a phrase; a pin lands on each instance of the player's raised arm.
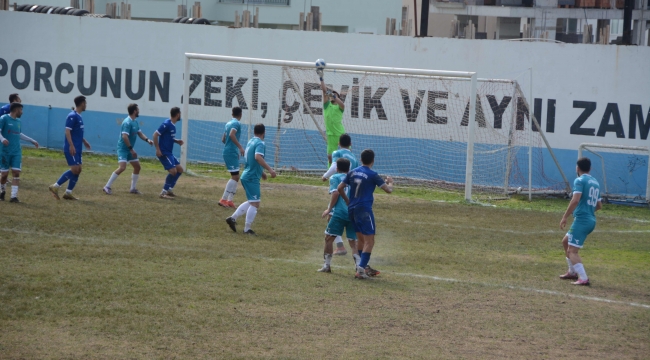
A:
(388, 185)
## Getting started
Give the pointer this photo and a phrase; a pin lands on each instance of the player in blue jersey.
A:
(231, 152)
(12, 153)
(345, 142)
(164, 139)
(74, 138)
(13, 98)
(362, 182)
(130, 132)
(584, 204)
(339, 218)
(250, 180)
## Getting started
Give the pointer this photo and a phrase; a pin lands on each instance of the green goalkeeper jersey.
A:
(333, 115)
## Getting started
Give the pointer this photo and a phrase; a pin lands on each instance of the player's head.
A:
(14, 98)
(583, 165)
(175, 114)
(343, 165)
(16, 110)
(80, 102)
(368, 157)
(236, 112)
(259, 130)
(332, 96)
(345, 141)
(133, 110)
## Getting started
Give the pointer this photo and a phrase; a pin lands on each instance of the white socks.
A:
(14, 191)
(581, 271)
(231, 189)
(3, 187)
(241, 210)
(357, 259)
(328, 259)
(571, 269)
(134, 180)
(338, 241)
(250, 217)
(112, 179)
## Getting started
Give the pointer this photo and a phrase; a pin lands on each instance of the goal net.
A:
(623, 171)
(416, 121)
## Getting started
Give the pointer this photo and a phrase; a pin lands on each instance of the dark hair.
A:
(345, 140)
(132, 108)
(13, 98)
(236, 111)
(342, 165)
(584, 164)
(79, 100)
(259, 129)
(367, 157)
(174, 111)
(14, 106)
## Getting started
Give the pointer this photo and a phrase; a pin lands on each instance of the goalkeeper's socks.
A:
(241, 210)
(365, 259)
(571, 269)
(250, 217)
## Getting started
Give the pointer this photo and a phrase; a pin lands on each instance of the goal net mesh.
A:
(416, 125)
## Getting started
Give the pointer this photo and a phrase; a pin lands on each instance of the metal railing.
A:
(257, 2)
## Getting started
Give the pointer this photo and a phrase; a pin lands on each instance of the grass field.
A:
(124, 276)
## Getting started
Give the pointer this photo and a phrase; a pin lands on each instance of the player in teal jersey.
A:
(130, 132)
(339, 218)
(584, 204)
(12, 153)
(250, 180)
(333, 108)
(231, 152)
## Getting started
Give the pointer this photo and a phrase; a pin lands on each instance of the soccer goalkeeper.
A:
(333, 109)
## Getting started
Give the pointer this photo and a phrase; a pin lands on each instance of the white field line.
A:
(96, 240)
(466, 227)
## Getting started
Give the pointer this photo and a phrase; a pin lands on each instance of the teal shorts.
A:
(336, 225)
(124, 155)
(232, 162)
(252, 189)
(11, 162)
(579, 230)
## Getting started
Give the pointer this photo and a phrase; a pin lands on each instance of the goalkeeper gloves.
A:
(319, 71)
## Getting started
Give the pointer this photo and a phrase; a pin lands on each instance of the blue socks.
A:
(169, 182)
(64, 177)
(73, 181)
(175, 179)
(365, 258)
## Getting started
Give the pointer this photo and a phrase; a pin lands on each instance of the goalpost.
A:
(444, 129)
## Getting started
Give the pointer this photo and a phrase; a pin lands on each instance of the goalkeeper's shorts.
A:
(332, 143)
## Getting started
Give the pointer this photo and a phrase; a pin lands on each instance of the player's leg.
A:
(15, 182)
(72, 182)
(577, 236)
(179, 172)
(352, 241)
(365, 223)
(571, 273)
(121, 166)
(232, 165)
(4, 174)
(135, 176)
(251, 191)
(340, 248)
(73, 161)
(168, 164)
(332, 146)
(334, 229)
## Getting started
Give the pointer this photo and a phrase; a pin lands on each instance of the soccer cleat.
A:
(569, 276)
(2, 195)
(325, 269)
(55, 191)
(250, 232)
(361, 275)
(69, 196)
(165, 195)
(231, 204)
(171, 193)
(581, 282)
(14, 200)
(372, 272)
(232, 223)
(107, 190)
(224, 203)
(341, 251)
(137, 192)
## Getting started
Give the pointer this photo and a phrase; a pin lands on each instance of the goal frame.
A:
(645, 149)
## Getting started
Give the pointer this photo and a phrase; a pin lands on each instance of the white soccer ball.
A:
(320, 64)
(519, 190)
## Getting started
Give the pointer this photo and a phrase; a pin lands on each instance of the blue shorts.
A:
(363, 220)
(73, 160)
(336, 225)
(232, 162)
(168, 161)
(253, 191)
(11, 161)
(579, 230)
(124, 155)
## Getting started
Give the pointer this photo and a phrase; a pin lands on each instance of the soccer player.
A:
(231, 152)
(362, 182)
(339, 219)
(13, 98)
(345, 142)
(250, 180)
(74, 137)
(164, 139)
(12, 153)
(584, 204)
(333, 109)
(125, 153)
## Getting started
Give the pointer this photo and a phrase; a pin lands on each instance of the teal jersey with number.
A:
(11, 129)
(131, 128)
(346, 154)
(230, 148)
(340, 208)
(253, 171)
(589, 187)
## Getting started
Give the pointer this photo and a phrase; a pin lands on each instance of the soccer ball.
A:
(320, 64)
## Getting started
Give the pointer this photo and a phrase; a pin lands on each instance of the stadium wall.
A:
(594, 93)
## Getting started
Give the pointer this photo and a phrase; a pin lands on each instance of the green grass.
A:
(140, 277)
